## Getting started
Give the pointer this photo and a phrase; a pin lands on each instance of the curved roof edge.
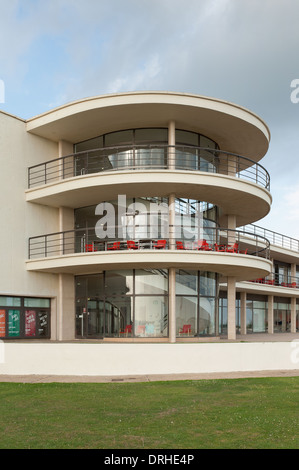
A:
(189, 110)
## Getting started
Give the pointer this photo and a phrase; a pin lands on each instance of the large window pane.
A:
(206, 324)
(186, 315)
(118, 283)
(151, 281)
(151, 316)
(186, 282)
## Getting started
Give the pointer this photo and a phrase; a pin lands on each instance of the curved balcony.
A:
(228, 252)
(235, 184)
(148, 157)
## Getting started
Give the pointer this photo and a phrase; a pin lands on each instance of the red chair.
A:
(200, 244)
(186, 330)
(131, 245)
(114, 246)
(244, 251)
(127, 331)
(180, 245)
(89, 247)
(159, 244)
(206, 246)
(233, 248)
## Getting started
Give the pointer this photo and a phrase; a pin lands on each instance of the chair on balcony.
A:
(200, 245)
(131, 245)
(180, 245)
(186, 330)
(114, 246)
(244, 252)
(127, 331)
(220, 247)
(89, 247)
(159, 244)
(206, 247)
(233, 248)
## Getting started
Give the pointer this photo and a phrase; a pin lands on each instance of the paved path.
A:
(144, 378)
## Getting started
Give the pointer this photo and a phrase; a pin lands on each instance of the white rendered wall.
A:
(140, 359)
(20, 219)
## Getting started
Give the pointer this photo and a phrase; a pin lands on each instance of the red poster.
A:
(2, 323)
(30, 323)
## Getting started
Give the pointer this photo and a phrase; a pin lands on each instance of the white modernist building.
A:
(131, 218)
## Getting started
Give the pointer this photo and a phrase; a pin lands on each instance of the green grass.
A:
(206, 414)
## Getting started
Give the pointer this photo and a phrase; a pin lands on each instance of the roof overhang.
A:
(233, 127)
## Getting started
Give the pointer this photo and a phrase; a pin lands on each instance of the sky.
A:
(243, 51)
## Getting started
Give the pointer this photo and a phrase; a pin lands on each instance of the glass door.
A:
(89, 318)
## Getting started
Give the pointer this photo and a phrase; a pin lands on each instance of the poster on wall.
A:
(13, 323)
(30, 322)
(2, 323)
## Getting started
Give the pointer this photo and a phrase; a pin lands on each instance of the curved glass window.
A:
(146, 220)
(143, 148)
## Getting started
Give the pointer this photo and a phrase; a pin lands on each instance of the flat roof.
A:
(233, 127)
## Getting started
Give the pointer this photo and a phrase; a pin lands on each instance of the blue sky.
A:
(243, 51)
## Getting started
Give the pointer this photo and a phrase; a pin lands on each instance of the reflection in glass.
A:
(151, 281)
(151, 316)
(186, 314)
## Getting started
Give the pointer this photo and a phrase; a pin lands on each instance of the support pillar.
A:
(270, 314)
(171, 141)
(65, 322)
(231, 308)
(172, 313)
(243, 313)
(293, 315)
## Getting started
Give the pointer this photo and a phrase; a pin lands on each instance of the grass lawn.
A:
(206, 414)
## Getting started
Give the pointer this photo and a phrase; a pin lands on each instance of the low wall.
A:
(139, 359)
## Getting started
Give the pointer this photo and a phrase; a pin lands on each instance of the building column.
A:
(293, 315)
(172, 313)
(66, 166)
(243, 313)
(270, 314)
(231, 308)
(65, 323)
(171, 141)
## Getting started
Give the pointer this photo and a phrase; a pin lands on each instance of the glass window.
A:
(208, 283)
(151, 135)
(151, 316)
(187, 138)
(95, 143)
(151, 281)
(10, 301)
(119, 283)
(34, 302)
(186, 315)
(206, 325)
(119, 138)
(186, 282)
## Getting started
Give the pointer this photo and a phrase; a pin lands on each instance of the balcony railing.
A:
(278, 280)
(213, 239)
(148, 157)
(275, 238)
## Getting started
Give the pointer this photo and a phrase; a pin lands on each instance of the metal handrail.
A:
(275, 238)
(278, 280)
(85, 240)
(147, 157)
